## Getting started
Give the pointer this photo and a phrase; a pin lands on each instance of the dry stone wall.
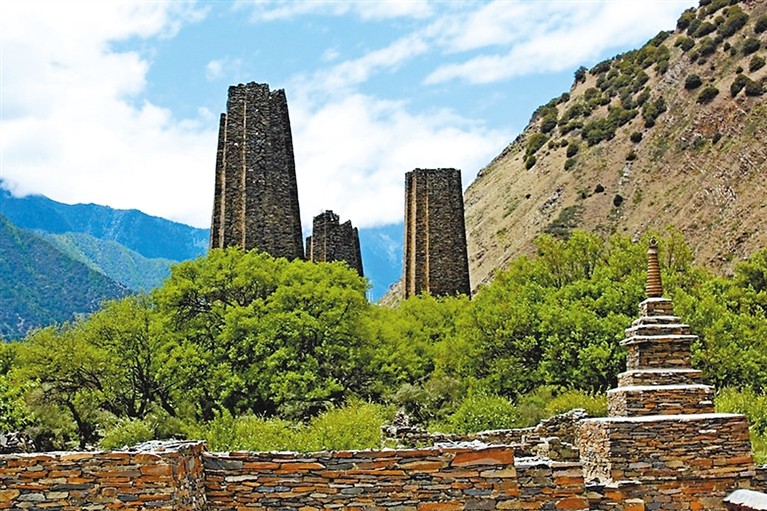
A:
(164, 477)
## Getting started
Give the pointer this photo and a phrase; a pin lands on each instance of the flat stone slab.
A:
(747, 500)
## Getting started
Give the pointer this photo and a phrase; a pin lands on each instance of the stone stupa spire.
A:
(654, 286)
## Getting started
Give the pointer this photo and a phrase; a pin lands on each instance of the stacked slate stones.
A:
(662, 442)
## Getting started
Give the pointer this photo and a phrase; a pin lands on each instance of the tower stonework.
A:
(436, 259)
(334, 241)
(256, 195)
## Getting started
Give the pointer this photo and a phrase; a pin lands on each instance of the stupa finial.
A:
(654, 287)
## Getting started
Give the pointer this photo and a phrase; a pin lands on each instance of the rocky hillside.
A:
(672, 134)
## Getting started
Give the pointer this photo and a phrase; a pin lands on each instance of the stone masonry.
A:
(256, 196)
(333, 241)
(436, 259)
(662, 444)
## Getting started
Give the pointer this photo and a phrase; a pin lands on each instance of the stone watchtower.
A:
(662, 443)
(333, 241)
(436, 259)
(256, 196)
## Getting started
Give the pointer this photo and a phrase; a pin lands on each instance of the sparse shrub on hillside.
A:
(601, 67)
(605, 128)
(761, 24)
(652, 110)
(707, 94)
(549, 123)
(684, 42)
(686, 18)
(642, 97)
(692, 82)
(636, 137)
(570, 163)
(704, 29)
(693, 26)
(706, 47)
(617, 200)
(535, 142)
(714, 5)
(631, 156)
(750, 45)
(756, 63)
(753, 88)
(572, 148)
(599, 189)
(738, 84)
(580, 74)
(736, 19)
(530, 161)
(661, 67)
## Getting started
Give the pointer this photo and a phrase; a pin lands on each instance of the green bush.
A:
(750, 45)
(754, 88)
(530, 161)
(126, 433)
(535, 142)
(572, 148)
(707, 94)
(747, 402)
(706, 47)
(738, 83)
(479, 412)
(251, 433)
(704, 29)
(756, 63)
(636, 137)
(570, 163)
(684, 42)
(736, 19)
(631, 156)
(761, 24)
(685, 19)
(692, 82)
(356, 425)
(594, 404)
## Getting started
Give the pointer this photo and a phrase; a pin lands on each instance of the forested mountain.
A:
(40, 285)
(672, 134)
(150, 236)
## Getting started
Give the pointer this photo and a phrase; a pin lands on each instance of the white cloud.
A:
(74, 126)
(545, 37)
(219, 68)
(271, 10)
(357, 149)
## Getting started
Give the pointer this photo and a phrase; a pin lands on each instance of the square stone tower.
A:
(256, 195)
(436, 259)
(334, 241)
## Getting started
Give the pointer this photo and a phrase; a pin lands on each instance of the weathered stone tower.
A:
(436, 259)
(662, 443)
(333, 241)
(256, 196)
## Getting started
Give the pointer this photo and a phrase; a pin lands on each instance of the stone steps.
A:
(660, 400)
(663, 376)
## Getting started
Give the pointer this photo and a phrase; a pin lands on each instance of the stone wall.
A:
(428, 479)
(694, 446)
(436, 259)
(256, 196)
(334, 241)
(183, 477)
(164, 476)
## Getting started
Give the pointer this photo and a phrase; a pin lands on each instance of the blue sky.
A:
(117, 103)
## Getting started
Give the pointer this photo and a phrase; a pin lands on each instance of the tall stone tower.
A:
(256, 196)
(436, 259)
(333, 241)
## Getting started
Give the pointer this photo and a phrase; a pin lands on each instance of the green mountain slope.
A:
(112, 259)
(672, 134)
(40, 285)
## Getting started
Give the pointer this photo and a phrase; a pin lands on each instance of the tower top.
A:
(654, 286)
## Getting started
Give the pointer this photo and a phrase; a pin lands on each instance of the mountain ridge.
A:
(652, 138)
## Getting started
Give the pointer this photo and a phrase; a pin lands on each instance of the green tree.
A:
(266, 336)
